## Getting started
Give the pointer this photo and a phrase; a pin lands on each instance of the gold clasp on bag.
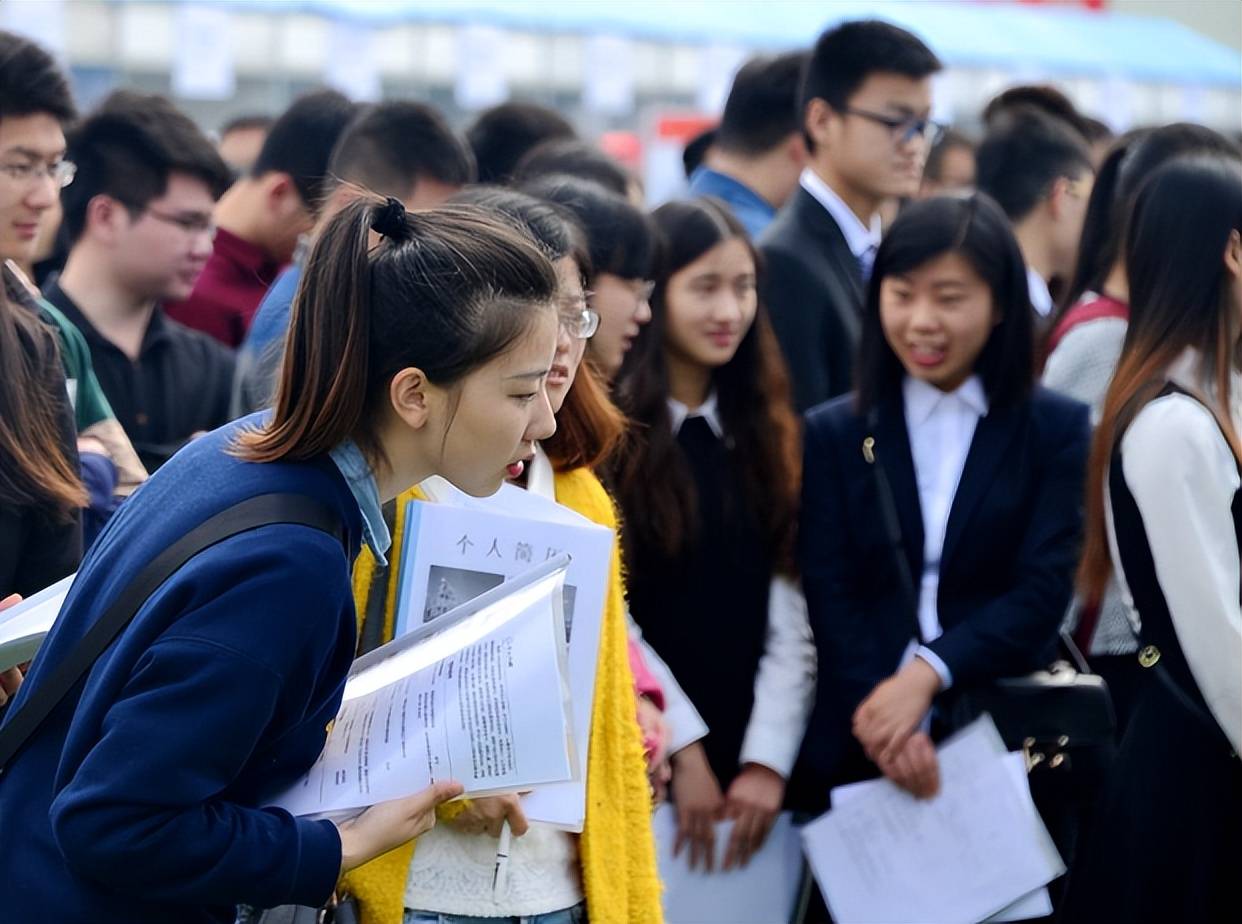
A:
(1032, 757)
(1149, 656)
(868, 448)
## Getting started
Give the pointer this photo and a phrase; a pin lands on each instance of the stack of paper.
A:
(976, 851)
(459, 546)
(24, 626)
(765, 889)
(481, 697)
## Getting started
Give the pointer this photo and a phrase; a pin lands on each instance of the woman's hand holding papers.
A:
(489, 815)
(753, 802)
(696, 793)
(389, 824)
(893, 710)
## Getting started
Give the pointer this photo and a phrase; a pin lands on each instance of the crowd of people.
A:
(881, 413)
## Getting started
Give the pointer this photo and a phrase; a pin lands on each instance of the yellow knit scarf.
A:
(616, 849)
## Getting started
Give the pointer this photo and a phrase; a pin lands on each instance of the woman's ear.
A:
(1233, 255)
(411, 397)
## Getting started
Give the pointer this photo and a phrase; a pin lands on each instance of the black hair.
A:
(1044, 97)
(951, 138)
(1130, 162)
(653, 482)
(547, 224)
(128, 148)
(696, 148)
(1022, 157)
(762, 109)
(500, 136)
(390, 146)
(846, 55)
(571, 157)
(445, 290)
(977, 229)
(247, 122)
(619, 236)
(31, 82)
(300, 142)
(1096, 130)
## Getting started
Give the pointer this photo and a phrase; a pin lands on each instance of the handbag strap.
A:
(892, 529)
(263, 510)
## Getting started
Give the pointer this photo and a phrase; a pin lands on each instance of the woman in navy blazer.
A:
(985, 471)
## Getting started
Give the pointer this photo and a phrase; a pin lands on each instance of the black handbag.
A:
(1060, 717)
(263, 510)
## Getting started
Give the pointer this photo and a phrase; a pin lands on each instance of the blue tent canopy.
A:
(1059, 40)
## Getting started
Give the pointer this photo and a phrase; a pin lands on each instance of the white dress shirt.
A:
(1041, 298)
(941, 427)
(785, 680)
(863, 239)
(1183, 478)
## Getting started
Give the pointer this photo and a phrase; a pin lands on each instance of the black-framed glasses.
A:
(578, 320)
(61, 173)
(904, 129)
(189, 222)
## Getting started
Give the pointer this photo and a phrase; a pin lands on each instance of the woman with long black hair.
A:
(1165, 517)
(708, 495)
(419, 345)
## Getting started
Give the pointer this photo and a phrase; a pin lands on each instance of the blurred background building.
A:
(642, 76)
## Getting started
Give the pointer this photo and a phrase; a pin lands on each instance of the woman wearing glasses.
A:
(708, 494)
(619, 240)
(608, 872)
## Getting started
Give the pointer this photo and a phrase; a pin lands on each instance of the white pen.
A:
(500, 875)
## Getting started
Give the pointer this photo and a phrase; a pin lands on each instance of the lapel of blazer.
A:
(892, 450)
(820, 225)
(996, 430)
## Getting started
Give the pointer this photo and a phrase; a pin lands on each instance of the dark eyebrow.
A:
(33, 154)
(537, 374)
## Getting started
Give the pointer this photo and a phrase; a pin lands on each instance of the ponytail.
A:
(444, 291)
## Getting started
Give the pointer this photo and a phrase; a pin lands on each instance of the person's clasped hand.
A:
(886, 719)
(700, 804)
(753, 802)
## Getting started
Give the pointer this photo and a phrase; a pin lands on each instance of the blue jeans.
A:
(575, 915)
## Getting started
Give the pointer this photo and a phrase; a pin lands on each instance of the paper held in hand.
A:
(24, 627)
(458, 546)
(479, 696)
(972, 851)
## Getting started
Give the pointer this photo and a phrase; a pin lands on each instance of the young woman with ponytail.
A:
(608, 873)
(1164, 515)
(419, 345)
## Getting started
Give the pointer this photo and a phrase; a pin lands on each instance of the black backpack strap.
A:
(263, 510)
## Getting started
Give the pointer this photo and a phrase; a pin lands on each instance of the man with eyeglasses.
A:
(35, 104)
(138, 218)
(866, 105)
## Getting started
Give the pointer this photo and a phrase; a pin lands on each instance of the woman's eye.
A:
(527, 399)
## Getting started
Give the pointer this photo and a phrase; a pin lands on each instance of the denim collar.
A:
(357, 472)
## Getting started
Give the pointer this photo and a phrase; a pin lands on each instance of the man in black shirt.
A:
(139, 218)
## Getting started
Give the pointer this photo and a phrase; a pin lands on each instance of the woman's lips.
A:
(722, 338)
(558, 375)
(926, 356)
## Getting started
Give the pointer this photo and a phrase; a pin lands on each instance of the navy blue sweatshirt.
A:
(141, 798)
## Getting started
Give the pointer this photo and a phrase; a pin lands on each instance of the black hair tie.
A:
(389, 220)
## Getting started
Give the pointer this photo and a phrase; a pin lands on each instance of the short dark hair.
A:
(248, 122)
(762, 108)
(976, 228)
(1044, 97)
(571, 157)
(693, 154)
(31, 82)
(300, 142)
(391, 146)
(552, 227)
(502, 134)
(619, 236)
(128, 148)
(1020, 159)
(846, 55)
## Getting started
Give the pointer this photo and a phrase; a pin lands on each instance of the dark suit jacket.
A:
(1006, 570)
(813, 289)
